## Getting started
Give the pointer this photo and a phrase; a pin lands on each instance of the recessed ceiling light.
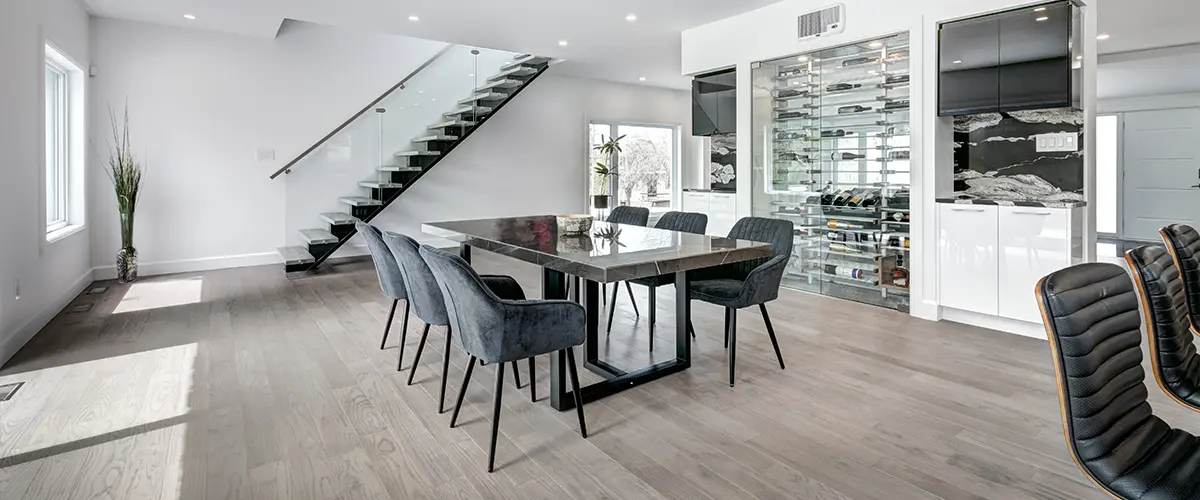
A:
(631, 18)
(641, 78)
(472, 74)
(1039, 9)
(1043, 18)
(875, 45)
(1103, 36)
(1079, 58)
(414, 18)
(189, 17)
(957, 62)
(802, 58)
(562, 43)
(420, 91)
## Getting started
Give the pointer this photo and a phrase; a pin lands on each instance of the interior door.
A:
(1162, 171)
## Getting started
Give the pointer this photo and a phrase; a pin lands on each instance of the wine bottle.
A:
(838, 87)
(790, 94)
(845, 271)
(844, 248)
(870, 199)
(893, 79)
(845, 110)
(841, 198)
(827, 198)
(789, 136)
(833, 224)
(836, 133)
(902, 154)
(835, 236)
(792, 114)
(900, 277)
(896, 104)
(859, 61)
(846, 156)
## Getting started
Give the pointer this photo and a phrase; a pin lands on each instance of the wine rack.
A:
(834, 159)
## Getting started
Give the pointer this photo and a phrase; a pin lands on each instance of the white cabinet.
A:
(721, 209)
(1034, 242)
(968, 273)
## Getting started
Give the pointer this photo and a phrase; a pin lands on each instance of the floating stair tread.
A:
(418, 153)
(500, 84)
(318, 236)
(380, 185)
(469, 109)
(296, 255)
(436, 137)
(525, 60)
(397, 168)
(484, 96)
(451, 123)
(360, 201)
(339, 218)
(517, 71)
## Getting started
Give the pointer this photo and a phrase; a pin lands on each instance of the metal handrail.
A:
(361, 112)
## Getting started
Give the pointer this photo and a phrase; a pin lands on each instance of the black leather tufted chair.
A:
(1091, 317)
(1164, 305)
(1183, 242)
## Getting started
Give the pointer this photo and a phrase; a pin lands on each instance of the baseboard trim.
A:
(1013, 326)
(193, 265)
(9, 348)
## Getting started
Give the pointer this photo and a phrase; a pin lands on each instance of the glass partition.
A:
(831, 154)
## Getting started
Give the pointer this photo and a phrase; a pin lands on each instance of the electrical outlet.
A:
(1062, 142)
(264, 154)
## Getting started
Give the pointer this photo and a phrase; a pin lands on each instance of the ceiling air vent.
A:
(827, 21)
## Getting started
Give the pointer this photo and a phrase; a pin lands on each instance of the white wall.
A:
(1148, 102)
(530, 158)
(201, 104)
(50, 275)
(770, 32)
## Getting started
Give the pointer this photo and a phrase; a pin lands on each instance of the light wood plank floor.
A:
(241, 384)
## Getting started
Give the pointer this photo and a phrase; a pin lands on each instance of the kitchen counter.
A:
(703, 190)
(1014, 203)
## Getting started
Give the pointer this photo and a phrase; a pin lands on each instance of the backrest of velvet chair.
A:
(474, 310)
(779, 233)
(633, 216)
(1172, 351)
(1091, 316)
(687, 222)
(1183, 242)
(423, 290)
(391, 279)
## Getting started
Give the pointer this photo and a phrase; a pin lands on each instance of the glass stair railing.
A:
(356, 171)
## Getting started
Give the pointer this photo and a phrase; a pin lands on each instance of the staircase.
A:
(372, 197)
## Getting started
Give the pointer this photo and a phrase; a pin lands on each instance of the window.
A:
(647, 164)
(1107, 173)
(57, 183)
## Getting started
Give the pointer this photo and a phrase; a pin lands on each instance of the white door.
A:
(1162, 168)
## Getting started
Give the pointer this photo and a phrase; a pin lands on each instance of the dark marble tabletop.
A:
(637, 252)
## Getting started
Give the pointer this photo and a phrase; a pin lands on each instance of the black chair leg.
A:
(403, 337)
(653, 310)
(691, 328)
(462, 391)
(771, 332)
(629, 288)
(727, 328)
(612, 307)
(732, 333)
(532, 382)
(516, 374)
(388, 326)
(417, 360)
(445, 373)
(575, 391)
(496, 416)
(604, 292)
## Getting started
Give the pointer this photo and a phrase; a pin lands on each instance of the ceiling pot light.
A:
(641, 78)
(631, 18)
(875, 45)
(1103, 36)
(1043, 18)
(414, 18)
(189, 17)
(957, 62)
(1039, 9)
(562, 43)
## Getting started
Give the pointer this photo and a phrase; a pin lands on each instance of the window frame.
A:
(614, 127)
(57, 165)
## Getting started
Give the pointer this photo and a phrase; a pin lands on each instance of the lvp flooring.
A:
(241, 384)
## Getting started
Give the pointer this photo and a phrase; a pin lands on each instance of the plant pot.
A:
(127, 267)
(600, 201)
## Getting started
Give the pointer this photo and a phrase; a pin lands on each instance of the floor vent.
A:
(81, 308)
(7, 390)
(97, 290)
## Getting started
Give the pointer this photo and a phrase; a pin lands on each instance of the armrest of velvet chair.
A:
(534, 327)
(762, 284)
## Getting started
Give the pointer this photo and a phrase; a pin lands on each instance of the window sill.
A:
(61, 233)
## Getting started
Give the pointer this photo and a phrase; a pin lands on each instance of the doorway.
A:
(1161, 172)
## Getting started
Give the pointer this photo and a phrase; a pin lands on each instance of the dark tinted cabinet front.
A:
(969, 67)
(714, 104)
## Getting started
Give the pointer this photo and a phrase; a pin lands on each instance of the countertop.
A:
(1014, 203)
(699, 190)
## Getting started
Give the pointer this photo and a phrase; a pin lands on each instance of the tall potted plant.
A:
(607, 149)
(126, 173)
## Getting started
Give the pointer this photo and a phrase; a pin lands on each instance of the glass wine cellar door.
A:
(831, 154)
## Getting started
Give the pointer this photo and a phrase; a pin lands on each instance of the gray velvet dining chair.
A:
(630, 216)
(426, 298)
(686, 222)
(746, 284)
(494, 330)
(390, 278)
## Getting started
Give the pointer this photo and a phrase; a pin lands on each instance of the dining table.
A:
(606, 253)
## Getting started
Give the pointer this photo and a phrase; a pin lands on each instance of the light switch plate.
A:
(264, 154)
(1062, 142)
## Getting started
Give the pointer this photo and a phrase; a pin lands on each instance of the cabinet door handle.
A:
(1024, 212)
(964, 209)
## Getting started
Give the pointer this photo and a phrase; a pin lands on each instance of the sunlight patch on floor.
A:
(157, 294)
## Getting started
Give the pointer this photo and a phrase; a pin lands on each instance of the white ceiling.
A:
(601, 43)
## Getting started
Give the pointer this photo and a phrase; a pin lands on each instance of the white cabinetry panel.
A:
(968, 273)
(1034, 242)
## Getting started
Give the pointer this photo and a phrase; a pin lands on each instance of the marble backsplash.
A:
(722, 167)
(995, 156)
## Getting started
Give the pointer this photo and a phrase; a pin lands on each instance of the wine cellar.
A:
(832, 154)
